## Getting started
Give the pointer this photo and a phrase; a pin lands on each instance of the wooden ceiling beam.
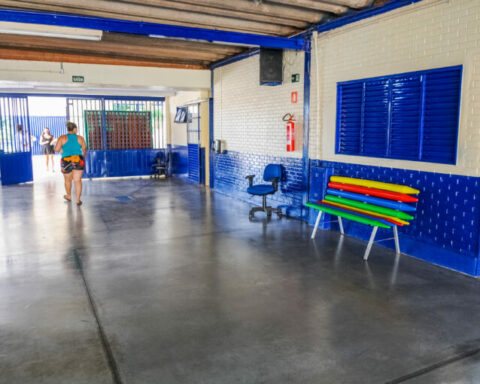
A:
(351, 3)
(104, 47)
(173, 15)
(314, 5)
(33, 55)
(141, 40)
(222, 12)
(276, 10)
(27, 5)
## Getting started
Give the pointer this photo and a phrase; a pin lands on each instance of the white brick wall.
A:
(249, 116)
(425, 35)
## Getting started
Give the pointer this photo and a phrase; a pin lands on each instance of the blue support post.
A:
(306, 121)
(211, 134)
(143, 28)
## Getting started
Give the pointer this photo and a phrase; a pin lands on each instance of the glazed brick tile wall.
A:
(428, 34)
(248, 117)
(448, 211)
(232, 167)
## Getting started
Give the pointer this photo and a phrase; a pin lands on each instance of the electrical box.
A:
(219, 146)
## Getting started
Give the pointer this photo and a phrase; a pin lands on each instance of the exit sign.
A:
(295, 78)
(78, 79)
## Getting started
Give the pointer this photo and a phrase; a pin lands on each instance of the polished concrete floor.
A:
(173, 284)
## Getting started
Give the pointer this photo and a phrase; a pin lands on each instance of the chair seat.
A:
(260, 189)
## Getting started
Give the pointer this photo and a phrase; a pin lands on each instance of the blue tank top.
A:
(71, 147)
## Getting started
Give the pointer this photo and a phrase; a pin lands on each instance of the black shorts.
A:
(47, 149)
(72, 163)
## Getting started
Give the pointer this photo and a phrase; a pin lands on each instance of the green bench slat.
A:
(349, 216)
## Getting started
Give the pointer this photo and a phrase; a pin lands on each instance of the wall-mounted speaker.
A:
(271, 66)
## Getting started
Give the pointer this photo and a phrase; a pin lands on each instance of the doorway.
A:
(123, 134)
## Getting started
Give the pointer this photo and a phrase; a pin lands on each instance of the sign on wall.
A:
(78, 79)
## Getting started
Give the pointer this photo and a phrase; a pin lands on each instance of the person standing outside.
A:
(73, 149)
(46, 141)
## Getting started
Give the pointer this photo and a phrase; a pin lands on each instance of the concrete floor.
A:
(177, 286)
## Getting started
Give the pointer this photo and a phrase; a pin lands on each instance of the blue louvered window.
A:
(410, 116)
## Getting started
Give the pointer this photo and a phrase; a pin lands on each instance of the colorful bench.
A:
(368, 202)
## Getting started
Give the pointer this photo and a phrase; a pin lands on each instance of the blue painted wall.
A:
(116, 163)
(231, 168)
(15, 168)
(179, 159)
(445, 230)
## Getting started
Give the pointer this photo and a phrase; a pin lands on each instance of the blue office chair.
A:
(272, 173)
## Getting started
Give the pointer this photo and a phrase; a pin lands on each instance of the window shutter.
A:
(375, 118)
(410, 116)
(406, 110)
(440, 130)
(349, 118)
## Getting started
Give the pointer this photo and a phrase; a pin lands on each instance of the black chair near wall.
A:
(160, 164)
(273, 174)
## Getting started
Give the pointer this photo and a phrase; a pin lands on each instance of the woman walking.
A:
(73, 149)
(46, 141)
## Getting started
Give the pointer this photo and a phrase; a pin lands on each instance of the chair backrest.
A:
(160, 157)
(272, 171)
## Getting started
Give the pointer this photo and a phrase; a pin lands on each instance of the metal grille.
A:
(114, 123)
(14, 125)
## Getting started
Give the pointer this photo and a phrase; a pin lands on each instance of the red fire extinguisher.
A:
(290, 132)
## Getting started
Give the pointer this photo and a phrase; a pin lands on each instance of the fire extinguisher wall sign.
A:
(290, 132)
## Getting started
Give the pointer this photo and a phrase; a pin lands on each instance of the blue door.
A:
(15, 140)
(193, 143)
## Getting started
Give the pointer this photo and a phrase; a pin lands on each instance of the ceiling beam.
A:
(125, 26)
(26, 5)
(223, 12)
(32, 55)
(173, 15)
(351, 3)
(314, 5)
(264, 8)
(142, 52)
(139, 40)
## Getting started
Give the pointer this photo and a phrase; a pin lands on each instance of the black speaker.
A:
(271, 66)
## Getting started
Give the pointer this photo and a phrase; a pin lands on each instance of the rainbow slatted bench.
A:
(368, 202)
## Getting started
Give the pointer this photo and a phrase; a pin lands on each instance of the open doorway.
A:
(124, 135)
(47, 118)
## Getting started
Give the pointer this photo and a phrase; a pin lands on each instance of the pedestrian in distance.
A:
(46, 141)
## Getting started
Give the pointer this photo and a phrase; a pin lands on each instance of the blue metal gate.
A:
(123, 135)
(193, 143)
(15, 140)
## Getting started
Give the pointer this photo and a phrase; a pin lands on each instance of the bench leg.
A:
(370, 243)
(340, 223)
(316, 224)
(397, 243)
